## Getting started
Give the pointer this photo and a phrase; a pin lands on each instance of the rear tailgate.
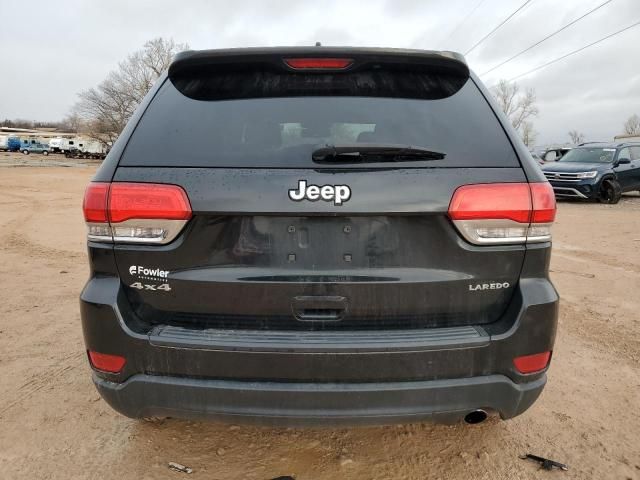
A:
(259, 260)
(237, 137)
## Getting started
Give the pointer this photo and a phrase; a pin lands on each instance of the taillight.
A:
(94, 206)
(135, 212)
(318, 63)
(106, 362)
(532, 363)
(504, 213)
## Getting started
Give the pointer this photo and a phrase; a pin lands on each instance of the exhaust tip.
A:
(477, 416)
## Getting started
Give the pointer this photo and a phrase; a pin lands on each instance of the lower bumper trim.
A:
(279, 403)
(568, 192)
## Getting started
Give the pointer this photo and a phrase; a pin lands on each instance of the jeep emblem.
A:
(336, 193)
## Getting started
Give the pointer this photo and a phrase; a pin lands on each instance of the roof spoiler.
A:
(192, 61)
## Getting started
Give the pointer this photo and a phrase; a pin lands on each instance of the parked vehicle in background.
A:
(60, 144)
(35, 148)
(86, 148)
(11, 144)
(554, 154)
(599, 171)
(66, 144)
(360, 239)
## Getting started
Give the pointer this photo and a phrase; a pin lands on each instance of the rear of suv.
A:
(319, 235)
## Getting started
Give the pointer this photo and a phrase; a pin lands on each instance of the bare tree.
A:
(106, 109)
(576, 137)
(72, 123)
(529, 135)
(632, 125)
(518, 106)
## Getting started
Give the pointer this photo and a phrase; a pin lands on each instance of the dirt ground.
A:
(53, 424)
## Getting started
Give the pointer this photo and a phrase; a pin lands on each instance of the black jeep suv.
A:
(597, 171)
(300, 235)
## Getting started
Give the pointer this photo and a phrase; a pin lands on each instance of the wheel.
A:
(610, 191)
(45, 153)
(25, 152)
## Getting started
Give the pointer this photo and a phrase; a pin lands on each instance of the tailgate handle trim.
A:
(319, 308)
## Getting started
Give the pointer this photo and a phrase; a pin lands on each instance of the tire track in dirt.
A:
(43, 379)
(589, 256)
(13, 240)
(20, 244)
(597, 329)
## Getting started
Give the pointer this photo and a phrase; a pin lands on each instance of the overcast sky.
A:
(51, 50)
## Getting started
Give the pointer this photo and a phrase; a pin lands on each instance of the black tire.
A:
(610, 192)
(45, 153)
(25, 152)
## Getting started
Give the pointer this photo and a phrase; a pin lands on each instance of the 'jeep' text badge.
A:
(336, 193)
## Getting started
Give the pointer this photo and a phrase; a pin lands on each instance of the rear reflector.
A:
(106, 363)
(532, 363)
(504, 213)
(318, 63)
(135, 212)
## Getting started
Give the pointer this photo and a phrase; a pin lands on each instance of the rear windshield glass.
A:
(283, 131)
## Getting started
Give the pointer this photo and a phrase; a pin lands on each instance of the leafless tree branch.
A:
(576, 137)
(104, 110)
(519, 107)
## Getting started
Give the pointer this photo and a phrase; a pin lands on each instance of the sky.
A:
(68, 46)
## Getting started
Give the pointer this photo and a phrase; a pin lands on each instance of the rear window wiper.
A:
(373, 152)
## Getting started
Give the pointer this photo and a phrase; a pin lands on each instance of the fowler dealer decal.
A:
(153, 274)
(140, 271)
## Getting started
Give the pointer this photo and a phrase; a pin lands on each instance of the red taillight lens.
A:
(135, 212)
(510, 201)
(94, 205)
(502, 213)
(107, 363)
(147, 201)
(544, 203)
(318, 63)
(532, 363)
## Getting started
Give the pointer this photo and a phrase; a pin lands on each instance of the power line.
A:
(547, 37)
(574, 52)
(494, 30)
(463, 21)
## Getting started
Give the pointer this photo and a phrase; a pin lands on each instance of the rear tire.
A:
(45, 153)
(610, 192)
(25, 152)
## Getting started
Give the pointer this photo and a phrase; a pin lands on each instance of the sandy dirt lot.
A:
(53, 424)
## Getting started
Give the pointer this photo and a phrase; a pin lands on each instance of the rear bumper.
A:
(323, 377)
(318, 403)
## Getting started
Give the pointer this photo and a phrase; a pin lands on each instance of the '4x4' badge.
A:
(336, 193)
